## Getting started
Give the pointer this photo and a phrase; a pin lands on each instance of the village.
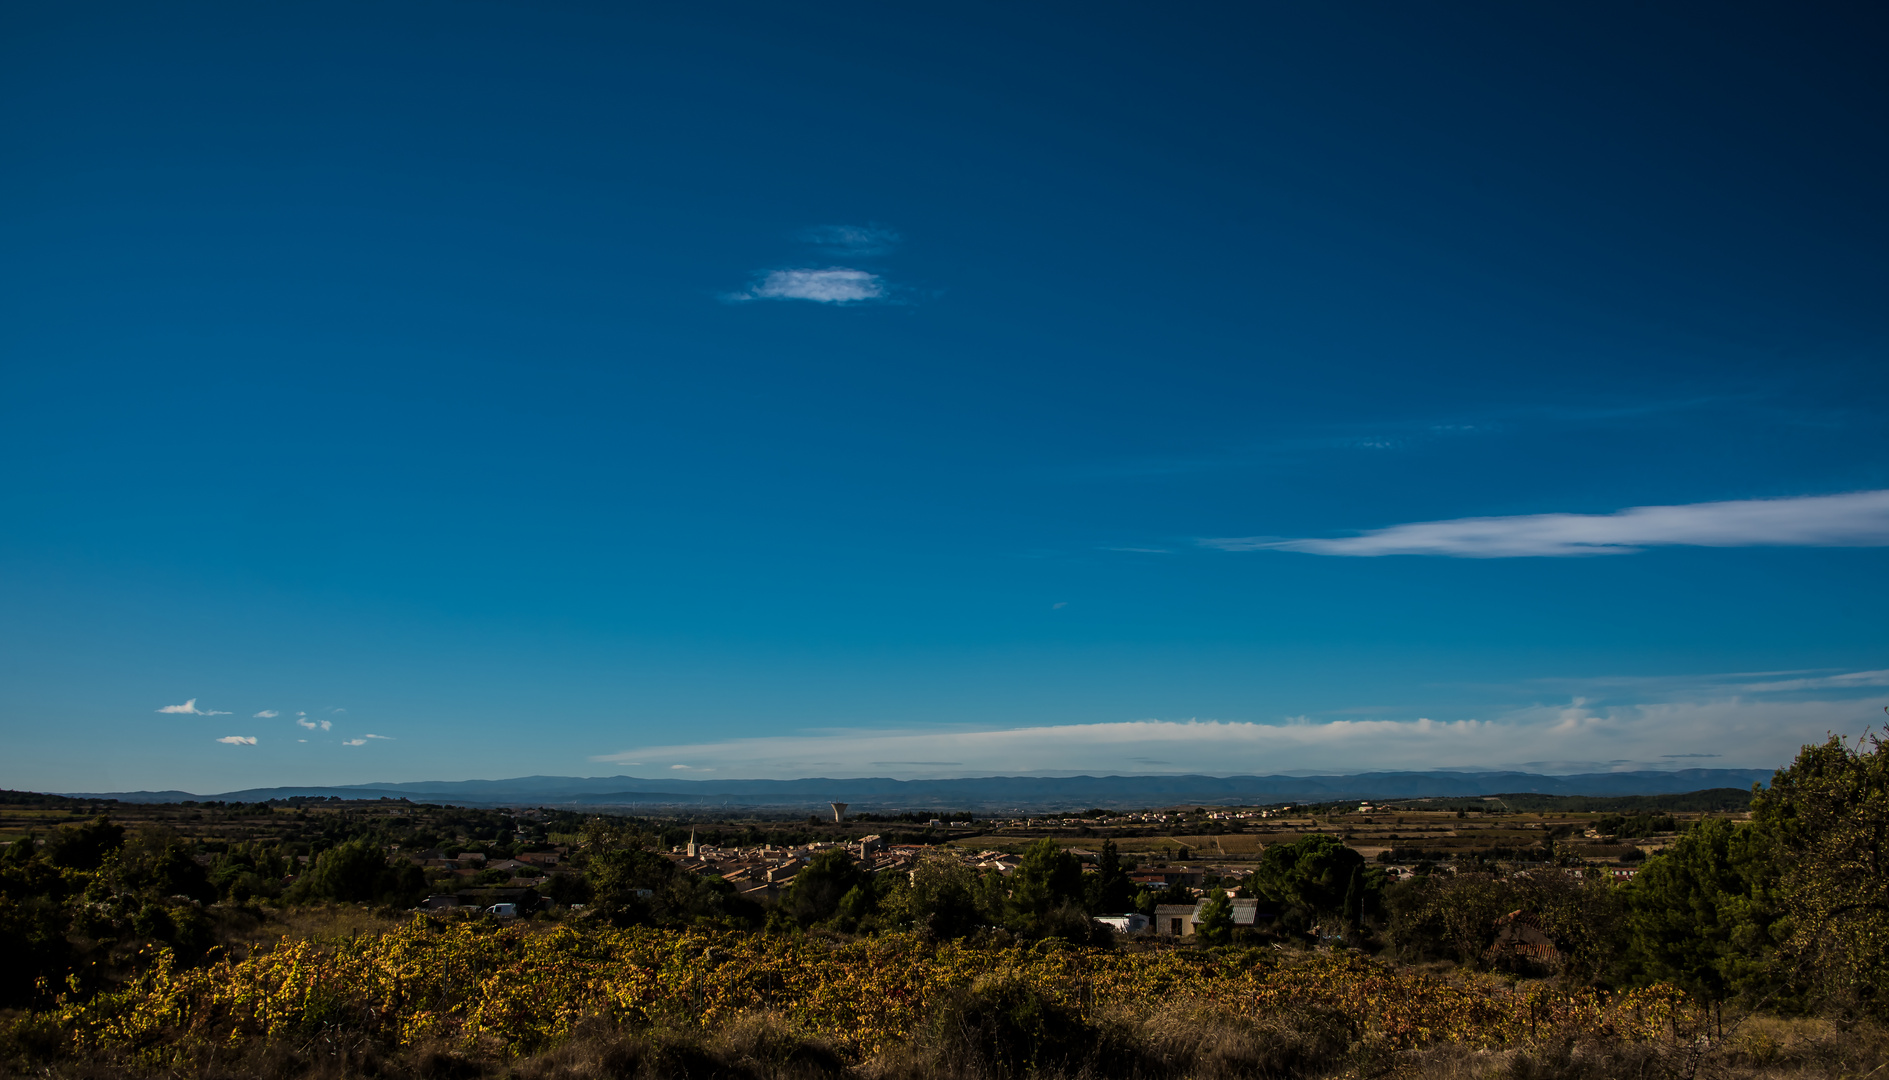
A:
(1175, 858)
(512, 861)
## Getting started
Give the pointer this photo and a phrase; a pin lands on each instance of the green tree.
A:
(158, 862)
(1215, 925)
(85, 847)
(356, 871)
(632, 886)
(1828, 814)
(1144, 901)
(1449, 916)
(815, 893)
(33, 939)
(1355, 898)
(1108, 890)
(1416, 930)
(859, 904)
(1312, 872)
(1047, 879)
(1705, 914)
(944, 898)
(1586, 916)
(246, 871)
(567, 888)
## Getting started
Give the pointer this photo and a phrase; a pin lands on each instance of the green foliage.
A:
(1215, 925)
(944, 898)
(248, 871)
(358, 871)
(1108, 890)
(568, 888)
(1448, 916)
(85, 847)
(1828, 815)
(157, 862)
(1046, 881)
(1455, 917)
(815, 894)
(1706, 916)
(1356, 890)
(1312, 873)
(636, 886)
(33, 940)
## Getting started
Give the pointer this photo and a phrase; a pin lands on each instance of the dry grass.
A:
(245, 927)
(1762, 1048)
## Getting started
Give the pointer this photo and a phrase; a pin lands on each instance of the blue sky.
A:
(851, 390)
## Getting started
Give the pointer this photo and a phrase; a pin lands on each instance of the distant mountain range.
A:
(985, 793)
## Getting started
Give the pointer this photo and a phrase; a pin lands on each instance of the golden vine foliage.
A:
(516, 990)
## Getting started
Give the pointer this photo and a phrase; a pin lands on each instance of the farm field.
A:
(1437, 833)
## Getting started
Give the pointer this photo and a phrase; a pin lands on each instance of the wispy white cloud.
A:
(327, 725)
(353, 742)
(852, 239)
(833, 285)
(238, 740)
(389, 738)
(1848, 681)
(305, 722)
(266, 714)
(1856, 519)
(189, 708)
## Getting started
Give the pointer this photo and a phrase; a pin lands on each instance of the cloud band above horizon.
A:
(1854, 519)
(1578, 736)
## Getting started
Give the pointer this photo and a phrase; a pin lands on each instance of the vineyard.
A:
(508, 992)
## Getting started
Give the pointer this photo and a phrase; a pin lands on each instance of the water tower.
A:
(839, 812)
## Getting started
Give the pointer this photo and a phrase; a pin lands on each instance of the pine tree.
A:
(1354, 900)
(1705, 915)
(1109, 890)
(1215, 925)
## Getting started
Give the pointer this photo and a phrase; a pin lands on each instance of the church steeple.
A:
(691, 843)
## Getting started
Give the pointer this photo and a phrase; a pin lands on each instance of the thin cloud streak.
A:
(1856, 519)
(1852, 680)
(852, 239)
(238, 740)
